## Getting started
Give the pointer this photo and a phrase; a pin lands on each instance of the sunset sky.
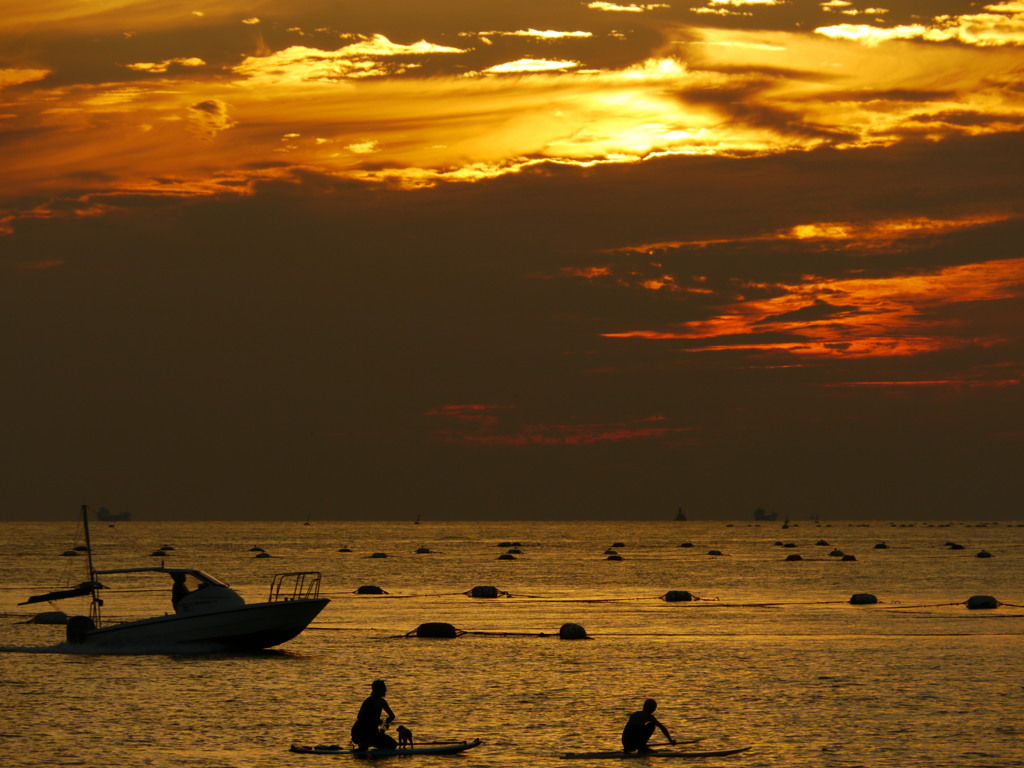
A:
(541, 259)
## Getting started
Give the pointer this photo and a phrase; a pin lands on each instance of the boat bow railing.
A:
(297, 585)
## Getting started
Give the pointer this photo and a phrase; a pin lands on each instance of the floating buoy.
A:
(509, 544)
(259, 554)
(984, 553)
(777, 544)
(506, 556)
(618, 544)
(678, 596)
(614, 557)
(979, 602)
(789, 545)
(69, 553)
(570, 631)
(955, 546)
(81, 548)
(161, 553)
(344, 549)
(436, 629)
(78, 628)
(881, 545)
(483, 592)
(420, 551)
(370, 589)
(49, 617)
(686, 544)
(863, 598)
(821, 543)
(610, 552)
(515, 551)
(379, 555)
(166, 547)
(793, 558)
(255, 549)
(714, 552)
(836, 553)
(847, 558)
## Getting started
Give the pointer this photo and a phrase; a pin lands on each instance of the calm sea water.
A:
(773, 656)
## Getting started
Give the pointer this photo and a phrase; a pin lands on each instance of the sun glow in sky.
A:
(587, 218)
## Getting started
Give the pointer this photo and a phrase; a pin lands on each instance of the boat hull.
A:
(439, 749)
(248, 627)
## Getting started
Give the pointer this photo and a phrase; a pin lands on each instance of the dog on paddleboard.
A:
(404, 737)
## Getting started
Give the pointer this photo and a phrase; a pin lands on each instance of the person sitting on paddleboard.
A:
(640, 727)
(366, 731)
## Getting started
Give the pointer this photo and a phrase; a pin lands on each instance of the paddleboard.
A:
(653, 753)
(434, 749)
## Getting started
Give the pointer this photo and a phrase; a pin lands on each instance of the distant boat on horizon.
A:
(106, 516)
(764, 516)
(679, 514)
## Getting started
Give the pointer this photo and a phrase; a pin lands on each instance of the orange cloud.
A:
(855, 317)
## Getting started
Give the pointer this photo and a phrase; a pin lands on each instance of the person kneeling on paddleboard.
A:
(640, 727)
(366, 731)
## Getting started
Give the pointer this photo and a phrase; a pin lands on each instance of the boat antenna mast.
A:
(96, 602)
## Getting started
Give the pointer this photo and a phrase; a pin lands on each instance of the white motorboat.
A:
(208, 614)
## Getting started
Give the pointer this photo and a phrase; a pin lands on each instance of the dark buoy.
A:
(777, 544)
(69, 553)
(789, 545)
(714, 552)
(421, 551)
(955, 546)
(614, 557)
(678, 596)
(506, 556)
(618, 544)
(436, 629)
(984, 553)
(515, 551)
(848, 558)
(344, 549)
(686, 544)
(483, 592)
(570, 631)
(793, 558)
(370, 589)
(610, 552)
(863, 598)
(78, 628)
(836, 553)
(83, 548)
(379, 554)
(881, 545)
(821, 543)
(167, 548)
(161, 553)
(982, 602)
(255, 549)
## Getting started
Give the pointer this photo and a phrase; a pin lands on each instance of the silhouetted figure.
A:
(640, 727)
(178, 590)
(366, 731)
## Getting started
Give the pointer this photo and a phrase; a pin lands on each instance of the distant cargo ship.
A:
(107, 516)
(762, 515)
